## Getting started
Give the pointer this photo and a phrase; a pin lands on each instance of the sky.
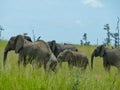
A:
(60, 20)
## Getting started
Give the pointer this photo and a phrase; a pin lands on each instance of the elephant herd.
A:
(50, 54)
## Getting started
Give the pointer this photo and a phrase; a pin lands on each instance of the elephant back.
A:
(43, 45)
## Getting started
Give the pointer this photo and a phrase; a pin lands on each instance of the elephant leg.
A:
(70, 65)
(53, 65)
(106, 66)
(118, 70)
(30, 59)
(34, 64)
(40, 64)
(83, 67)
(19, 60)
(118, 67)
(45, 65)
(24, 61)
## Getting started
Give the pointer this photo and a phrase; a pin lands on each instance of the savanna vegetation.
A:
(13, 78)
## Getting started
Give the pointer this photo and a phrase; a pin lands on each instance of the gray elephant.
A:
(38, 51)
(111, 57)
(57, 48)
(11, 46)
(73, 58)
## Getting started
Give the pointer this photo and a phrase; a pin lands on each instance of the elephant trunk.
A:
(5, 56)
(92, 57)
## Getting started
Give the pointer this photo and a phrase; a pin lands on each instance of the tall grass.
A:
(13, 78)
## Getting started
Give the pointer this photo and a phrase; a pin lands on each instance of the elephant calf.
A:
(73, 58)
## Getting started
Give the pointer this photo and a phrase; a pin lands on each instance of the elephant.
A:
(11, 46)
(78, 59)
(57, 48)
(111, 57)
(38, 51)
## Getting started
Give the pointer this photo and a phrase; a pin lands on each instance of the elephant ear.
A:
(102, 51)
(53, 45)
(19, 43)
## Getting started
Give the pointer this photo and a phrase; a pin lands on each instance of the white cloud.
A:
(93, 3)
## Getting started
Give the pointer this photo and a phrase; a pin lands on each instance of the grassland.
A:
(13, 78)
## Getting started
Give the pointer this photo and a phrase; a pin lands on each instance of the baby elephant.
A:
(74, 58)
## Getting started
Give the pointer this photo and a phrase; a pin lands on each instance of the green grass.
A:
(13, 78)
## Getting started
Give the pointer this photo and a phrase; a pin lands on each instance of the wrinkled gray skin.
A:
(11, 46)
(111, 57)
(57, 48)
(38, 51)
(73, 58)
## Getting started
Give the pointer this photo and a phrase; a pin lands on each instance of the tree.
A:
(115, 36)
(118, 30)
(1, 29)
(25, 34)
(81, 42)
(34, 38)
(85, 39)
(107, 40)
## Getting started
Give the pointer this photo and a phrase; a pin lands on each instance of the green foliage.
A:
(13, 78)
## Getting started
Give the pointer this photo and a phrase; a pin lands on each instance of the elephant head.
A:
(99, 51)
(52, 45)
(11, 46)
(55, 48)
